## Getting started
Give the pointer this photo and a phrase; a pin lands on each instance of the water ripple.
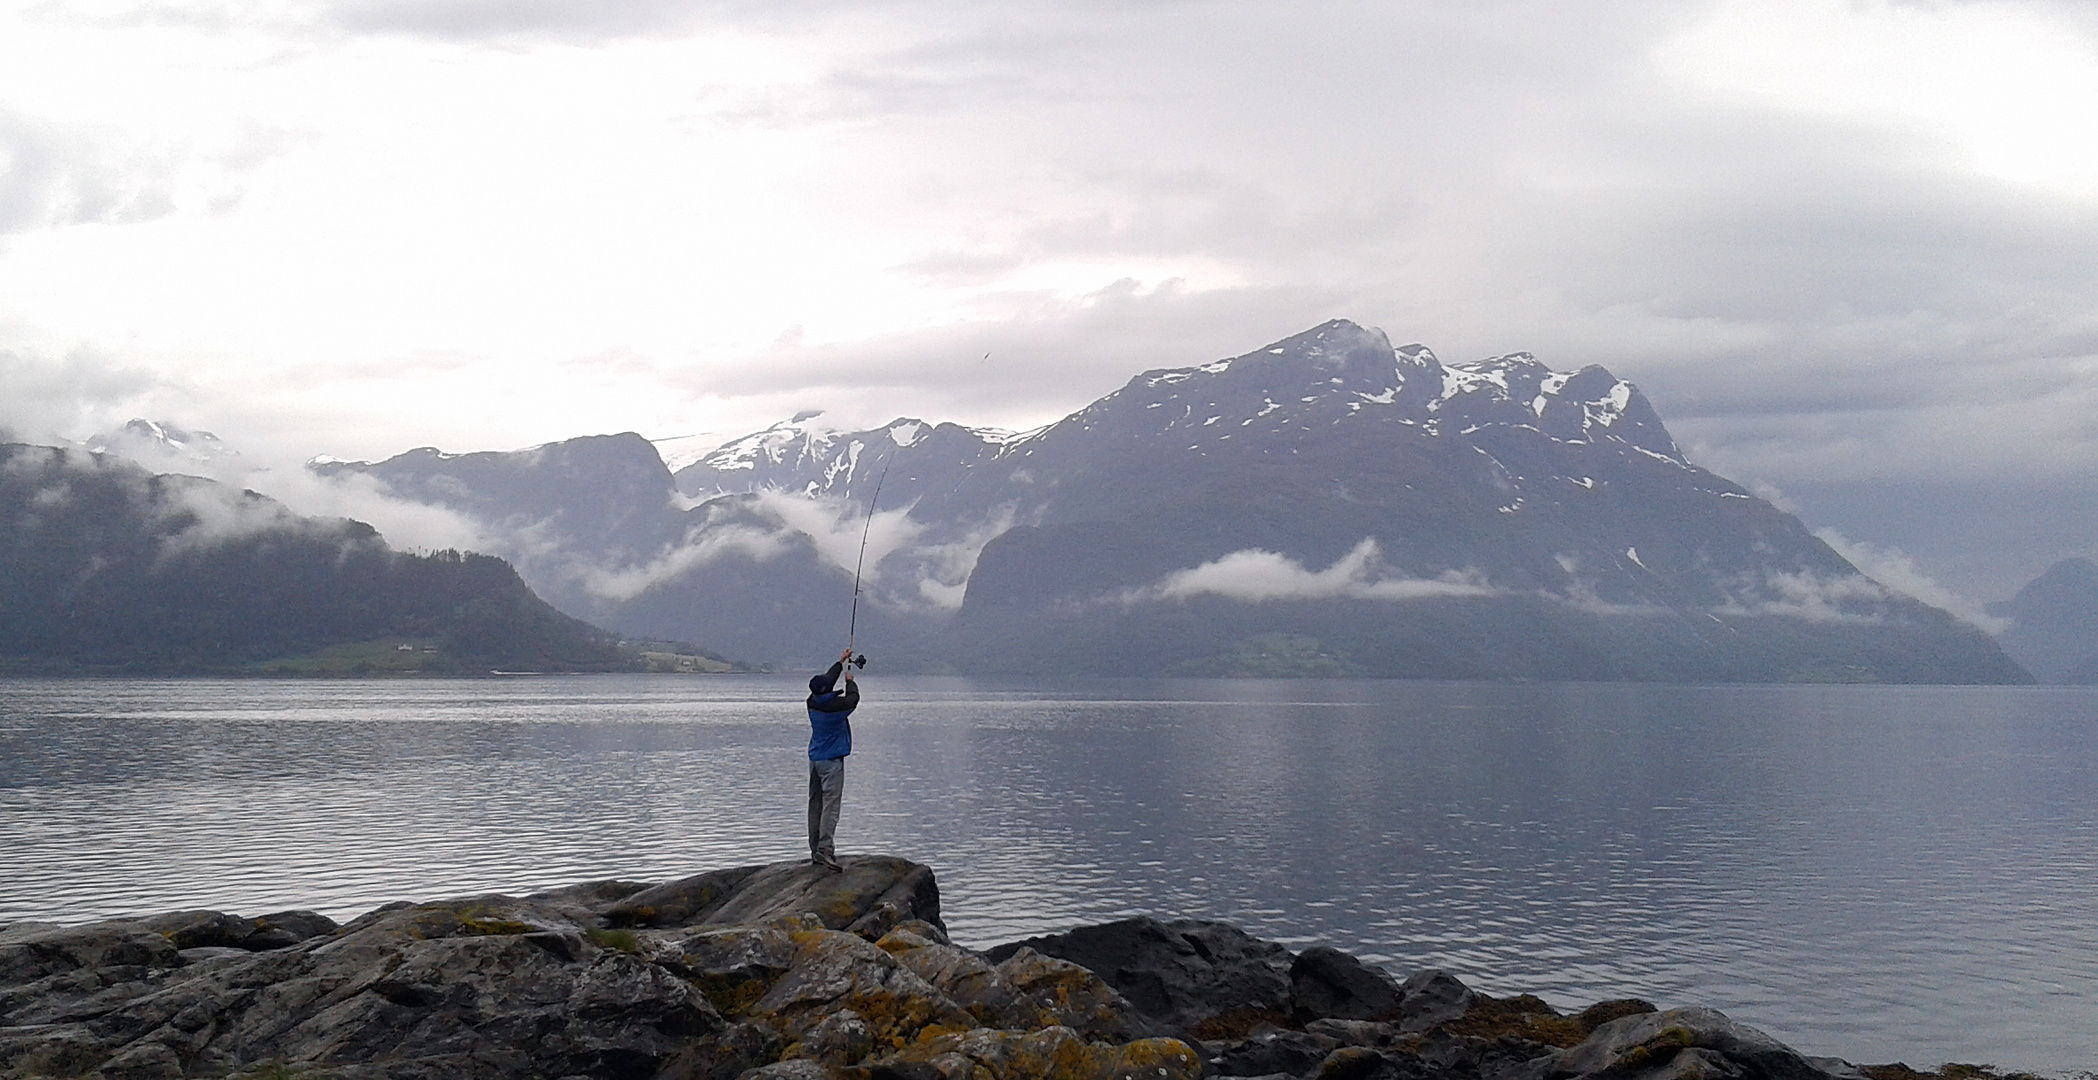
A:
(1877, 873)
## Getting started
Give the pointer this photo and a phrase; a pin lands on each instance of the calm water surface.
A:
(1874, 873)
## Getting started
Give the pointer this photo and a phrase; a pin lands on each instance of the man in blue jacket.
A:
(830, 740)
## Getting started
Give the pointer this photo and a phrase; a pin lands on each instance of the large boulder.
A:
(1192, 976)
(1680, 1043)
(30, 952)
(873, 894)
(489, 987)
(1327, 983)
(219, 930)
(1432, 997)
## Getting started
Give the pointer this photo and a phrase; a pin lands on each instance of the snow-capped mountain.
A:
(805, 456)
(1326, 497)
(161, 447)
(1334, 375)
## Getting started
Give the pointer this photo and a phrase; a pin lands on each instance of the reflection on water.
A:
(1876, 873)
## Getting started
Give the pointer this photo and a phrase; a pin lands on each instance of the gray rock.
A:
(1074, 997)
(206, 954)
(1366, 1063)
(201, 929)
(935, 934)
(733, 967)
(795, 1069)
(1292, 1052)
(969, 981)
(778, 972)
(1431, 997)
(1181, 974)
(872, 895)
(1502, 1057)
(280, 928)
(437, 990)
(840, 1038)
(1679, 1044)
(33, 951)
(1355, 1032)
(831, 971)
(1325, 982)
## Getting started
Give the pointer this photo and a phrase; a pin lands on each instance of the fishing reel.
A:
(859, 661)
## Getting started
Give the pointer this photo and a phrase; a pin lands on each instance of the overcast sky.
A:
(1848, 247)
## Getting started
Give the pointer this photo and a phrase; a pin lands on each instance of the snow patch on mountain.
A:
(799, 440)
(159, 446)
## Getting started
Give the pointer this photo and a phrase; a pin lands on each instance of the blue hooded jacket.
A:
(830, 714)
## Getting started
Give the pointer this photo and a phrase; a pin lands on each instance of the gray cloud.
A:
(1046, 356)
(1835, 305)
(52, 175)
(49, 400)
(509, 20)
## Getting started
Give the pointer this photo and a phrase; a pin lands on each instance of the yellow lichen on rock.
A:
(1153, 1059)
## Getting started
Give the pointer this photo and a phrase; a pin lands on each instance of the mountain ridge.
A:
(1326, 487)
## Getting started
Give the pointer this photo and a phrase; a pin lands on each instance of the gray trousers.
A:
(826, 794)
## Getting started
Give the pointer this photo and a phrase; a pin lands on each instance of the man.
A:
(830, 740)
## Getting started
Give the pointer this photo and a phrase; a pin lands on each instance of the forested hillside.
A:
(105, 567)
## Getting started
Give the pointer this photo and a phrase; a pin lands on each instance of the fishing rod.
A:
(852, 631)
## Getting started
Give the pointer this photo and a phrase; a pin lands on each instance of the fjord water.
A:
(1879, 873)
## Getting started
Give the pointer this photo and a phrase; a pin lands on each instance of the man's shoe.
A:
(826, 862)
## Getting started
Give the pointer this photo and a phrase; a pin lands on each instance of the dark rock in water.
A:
(784, 972)
(1180, 974)
(1326, 982)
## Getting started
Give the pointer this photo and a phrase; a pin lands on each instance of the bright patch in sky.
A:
(1836, 240)
(2004, 81)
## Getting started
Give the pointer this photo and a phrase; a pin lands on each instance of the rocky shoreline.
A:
(790, 972)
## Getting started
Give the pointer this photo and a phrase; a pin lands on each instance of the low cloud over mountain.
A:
(1488, 519)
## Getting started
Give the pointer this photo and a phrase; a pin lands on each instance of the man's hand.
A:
(847, 658)
(848, 673)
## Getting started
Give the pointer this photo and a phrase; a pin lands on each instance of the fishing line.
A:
(853, 630)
